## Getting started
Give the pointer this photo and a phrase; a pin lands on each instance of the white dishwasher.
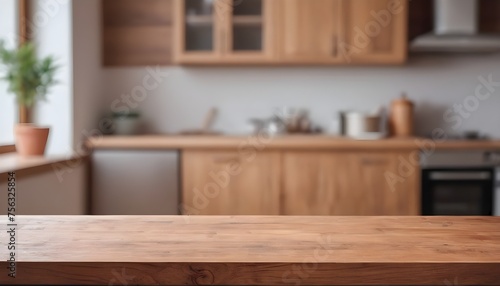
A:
(135, 182)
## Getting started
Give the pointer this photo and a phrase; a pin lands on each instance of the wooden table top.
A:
(251, 250)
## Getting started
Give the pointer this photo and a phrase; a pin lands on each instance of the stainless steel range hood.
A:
(456, 30)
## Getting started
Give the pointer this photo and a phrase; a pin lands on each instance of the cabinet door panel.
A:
(388, 183)
(314, 183)
(248, 31)
(227, 183)
(137, 33)
(325, 183)
(374, 31)
(197, 31)
(310, 31)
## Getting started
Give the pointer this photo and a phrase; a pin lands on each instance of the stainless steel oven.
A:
(460, 183)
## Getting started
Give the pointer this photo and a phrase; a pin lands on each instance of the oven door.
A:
(465, 192)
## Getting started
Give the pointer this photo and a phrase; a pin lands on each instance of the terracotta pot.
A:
(30, 139)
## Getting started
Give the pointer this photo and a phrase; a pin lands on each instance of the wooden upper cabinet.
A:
(225, 31)
(291, 31)
(309, 31)
(325, 183)
(374, 31)
(159, 32)
(229, 183)
(137, 32)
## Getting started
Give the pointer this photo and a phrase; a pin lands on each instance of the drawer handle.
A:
(335, 46)
(366, 161)
(225, 159)
(460, 176)
(225, 46)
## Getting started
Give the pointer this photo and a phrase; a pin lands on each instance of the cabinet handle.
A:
(223, 40)
(369, 161)
(335, 46)
(225, 159)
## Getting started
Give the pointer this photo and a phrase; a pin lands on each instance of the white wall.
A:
(435, 83)
(52, 33)
(69, 30)
(87, 99)
(8, 109)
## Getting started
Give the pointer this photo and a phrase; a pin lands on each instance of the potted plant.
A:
(29, 79)
(126, 123)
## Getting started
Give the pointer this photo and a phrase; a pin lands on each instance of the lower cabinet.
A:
(231, 183)
(300, 183)
(327, 183)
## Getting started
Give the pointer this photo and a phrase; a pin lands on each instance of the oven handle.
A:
(459, 176)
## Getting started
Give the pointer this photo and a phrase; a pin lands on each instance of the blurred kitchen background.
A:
(365, 77)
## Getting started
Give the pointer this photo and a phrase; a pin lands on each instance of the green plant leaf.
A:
(28, 77)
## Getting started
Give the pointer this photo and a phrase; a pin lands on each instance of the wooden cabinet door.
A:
(374, 31)
(314, 183)
(386, 183)
(137, 33)
(325, 183)
(248, 30)
(225, 31)
(197, 32)
(309, 31)
(227, 183)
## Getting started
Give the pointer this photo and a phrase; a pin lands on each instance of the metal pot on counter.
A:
(364, 125)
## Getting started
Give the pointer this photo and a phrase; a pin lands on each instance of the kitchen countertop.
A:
(250, 250)
(295, 142)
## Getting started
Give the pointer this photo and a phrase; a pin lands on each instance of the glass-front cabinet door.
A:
(225, 31)
(248, 29)
(197, 31)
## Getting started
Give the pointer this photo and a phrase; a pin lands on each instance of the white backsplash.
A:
(435, 83)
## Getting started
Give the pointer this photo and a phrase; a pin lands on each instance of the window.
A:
(8, 108)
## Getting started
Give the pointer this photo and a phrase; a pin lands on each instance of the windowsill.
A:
(12, 162)
(7, 149)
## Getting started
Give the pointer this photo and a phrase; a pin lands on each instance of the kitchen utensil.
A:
(209, 120)
(296, 120)
(274, 126)
(401, 118)
(207, 125)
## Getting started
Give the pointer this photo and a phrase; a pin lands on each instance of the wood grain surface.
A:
(251, 250)
(292, 142)
(137, 33)
(224, 183)
(7, 149)
(347, 183)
